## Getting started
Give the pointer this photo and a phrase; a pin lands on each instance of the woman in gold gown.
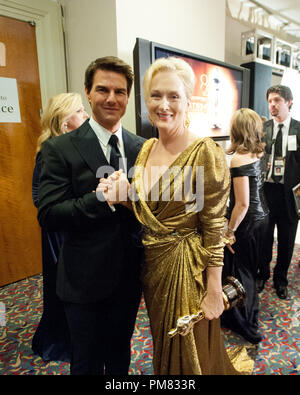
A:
(178, 193)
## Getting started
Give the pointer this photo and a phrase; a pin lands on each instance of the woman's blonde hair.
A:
(183, 70)
(246, 132)
(59, 108)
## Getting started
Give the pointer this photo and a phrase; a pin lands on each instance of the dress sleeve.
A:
(216, 191)
(245, 170)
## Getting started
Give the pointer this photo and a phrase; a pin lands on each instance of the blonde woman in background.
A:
(64, 113)
(246, 216)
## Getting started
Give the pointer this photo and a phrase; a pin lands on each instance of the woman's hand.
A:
(212, 305)
(114, 188)
(229, 239)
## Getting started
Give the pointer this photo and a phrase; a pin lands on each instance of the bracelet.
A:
(230, 229)
(228, 240)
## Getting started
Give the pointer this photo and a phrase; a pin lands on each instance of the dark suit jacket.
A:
(292, 163)
(99, 245)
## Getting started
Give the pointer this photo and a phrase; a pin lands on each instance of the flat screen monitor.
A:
(220, 89)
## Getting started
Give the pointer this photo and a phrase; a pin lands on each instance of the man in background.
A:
(283, 150)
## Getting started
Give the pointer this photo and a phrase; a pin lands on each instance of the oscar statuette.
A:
(233, 295)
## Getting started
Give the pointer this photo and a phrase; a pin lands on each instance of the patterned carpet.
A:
(277, 354)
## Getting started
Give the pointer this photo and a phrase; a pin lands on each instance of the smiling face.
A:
(76, 119)
(167, 102)
(278, 106)
(108, 98)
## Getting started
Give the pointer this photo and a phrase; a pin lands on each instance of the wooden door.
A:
(20, 235)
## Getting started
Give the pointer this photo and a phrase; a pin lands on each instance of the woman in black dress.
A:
(246, 215)
(64, 113)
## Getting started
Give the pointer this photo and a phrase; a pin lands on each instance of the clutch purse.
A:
(233, 295)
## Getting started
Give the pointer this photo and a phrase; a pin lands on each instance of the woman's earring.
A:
(150, 120)
(187, 121)
(65, 127)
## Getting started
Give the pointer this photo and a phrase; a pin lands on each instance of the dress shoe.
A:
(254, 337)
(281, 291)
(260, 285)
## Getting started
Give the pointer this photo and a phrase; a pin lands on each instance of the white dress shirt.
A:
(285, 132)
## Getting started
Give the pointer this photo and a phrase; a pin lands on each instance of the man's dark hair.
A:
(109, 63)
(282, 90)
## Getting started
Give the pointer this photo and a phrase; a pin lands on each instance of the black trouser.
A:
(286, 234)
(101, 334)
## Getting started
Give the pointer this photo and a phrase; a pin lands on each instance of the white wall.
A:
(109, 27)
(193, 25)
(233, 32)
(91, 32)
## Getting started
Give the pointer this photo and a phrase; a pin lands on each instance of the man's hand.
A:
(114, 188)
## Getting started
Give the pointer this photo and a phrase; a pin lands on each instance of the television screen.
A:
(220, 89)
(217, 95)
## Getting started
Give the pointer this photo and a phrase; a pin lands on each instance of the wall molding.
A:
(47, 17)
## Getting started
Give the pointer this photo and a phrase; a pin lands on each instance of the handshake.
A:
(114, 189)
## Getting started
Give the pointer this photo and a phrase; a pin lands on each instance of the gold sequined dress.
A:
(181, 238)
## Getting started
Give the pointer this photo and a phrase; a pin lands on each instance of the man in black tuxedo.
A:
(283, 151)
(99, 264)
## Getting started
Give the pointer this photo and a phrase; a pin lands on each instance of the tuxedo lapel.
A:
(87, 144)
(131, 150)
(292, 131)
(269, 133)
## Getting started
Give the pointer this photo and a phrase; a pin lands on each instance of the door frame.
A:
(48, 19)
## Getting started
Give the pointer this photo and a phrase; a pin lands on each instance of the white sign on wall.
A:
(9, 101)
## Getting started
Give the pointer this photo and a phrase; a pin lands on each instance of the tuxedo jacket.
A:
(292, 163)
(99, 245)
